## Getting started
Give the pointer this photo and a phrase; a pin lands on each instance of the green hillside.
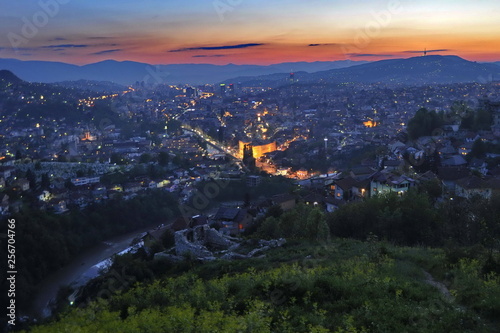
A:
(332, 286)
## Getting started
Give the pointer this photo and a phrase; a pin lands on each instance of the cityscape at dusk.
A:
(247, 31)
(295, 166)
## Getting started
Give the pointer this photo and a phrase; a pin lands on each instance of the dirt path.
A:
(440, 286)
(429, 279)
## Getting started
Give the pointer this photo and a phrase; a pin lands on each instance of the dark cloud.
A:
(99, 37)
(106, 51)
(65, 46)
(368, 55)
(58, 39)
(211, 48)
(209, 55)
(428, 51)
(327, 44)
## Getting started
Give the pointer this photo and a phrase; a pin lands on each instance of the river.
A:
(80, 266)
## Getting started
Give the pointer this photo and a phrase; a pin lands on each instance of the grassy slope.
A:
(339, 286)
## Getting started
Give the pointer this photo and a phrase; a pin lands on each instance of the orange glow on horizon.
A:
(383, 48)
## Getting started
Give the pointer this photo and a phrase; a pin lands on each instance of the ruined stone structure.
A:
(207, 243)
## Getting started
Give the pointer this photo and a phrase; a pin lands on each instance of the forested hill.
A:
(339, 272)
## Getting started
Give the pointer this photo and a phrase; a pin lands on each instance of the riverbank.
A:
(81, 265)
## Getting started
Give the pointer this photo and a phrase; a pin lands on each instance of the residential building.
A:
(383, 182)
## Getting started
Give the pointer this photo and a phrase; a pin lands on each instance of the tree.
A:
(424, 123)
(478, 149)
(167, 239)
(246, 200)
(482, 120)
(115, 158)
(154, 171)
(31, 178)
(174, 127)
(163, 158)
(274, 211)
(145, 158)
(45, 183)
(433, 189)
(62, 158)
(69, 184)
(270, 228)
(314, 224)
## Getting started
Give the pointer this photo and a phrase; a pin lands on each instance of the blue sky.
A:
(273, 31)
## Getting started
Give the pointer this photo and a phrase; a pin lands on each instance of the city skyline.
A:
(247, 32)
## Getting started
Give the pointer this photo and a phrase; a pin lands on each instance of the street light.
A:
(326, 147)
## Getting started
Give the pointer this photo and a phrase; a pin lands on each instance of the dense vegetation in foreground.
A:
(334, 286)
(319, 281)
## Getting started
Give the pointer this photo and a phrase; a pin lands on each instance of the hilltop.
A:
(8, 78)
(417, 70)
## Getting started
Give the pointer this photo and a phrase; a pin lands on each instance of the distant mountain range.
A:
(416, 70)
(128, 72)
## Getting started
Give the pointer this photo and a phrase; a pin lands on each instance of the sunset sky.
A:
(246, 31)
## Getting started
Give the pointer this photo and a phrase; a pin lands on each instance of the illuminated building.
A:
(88, 137)
(183, 144)
(371, 123)
(258, 148)
(302, 173)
